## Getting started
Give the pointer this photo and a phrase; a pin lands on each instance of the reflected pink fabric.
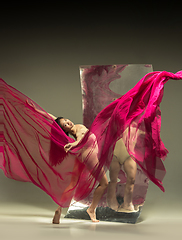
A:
(32, 144)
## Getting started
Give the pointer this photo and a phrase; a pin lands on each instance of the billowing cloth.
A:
(32, 144)
(136, 118)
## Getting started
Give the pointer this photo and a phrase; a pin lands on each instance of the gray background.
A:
(40, 54)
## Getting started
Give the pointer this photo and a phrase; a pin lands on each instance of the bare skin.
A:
(78, 131)
(111, 191)
(57, 215)
(130, 169)
(96, 198)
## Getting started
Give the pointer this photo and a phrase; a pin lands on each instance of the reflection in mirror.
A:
(127, 189)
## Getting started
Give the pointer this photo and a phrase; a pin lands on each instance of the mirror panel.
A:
(100, 85)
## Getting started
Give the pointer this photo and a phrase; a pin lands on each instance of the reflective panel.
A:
(101, 85)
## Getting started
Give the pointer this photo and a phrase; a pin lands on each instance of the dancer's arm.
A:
(81, 130)
(38, 110)
(52, 116)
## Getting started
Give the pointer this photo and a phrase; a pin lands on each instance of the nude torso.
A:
(80, 131)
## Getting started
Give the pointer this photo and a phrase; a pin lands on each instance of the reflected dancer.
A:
(121, 157)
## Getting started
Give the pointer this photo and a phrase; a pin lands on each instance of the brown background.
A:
(41, 50)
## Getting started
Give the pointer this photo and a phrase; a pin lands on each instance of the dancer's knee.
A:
(104, 183)
(131, 180)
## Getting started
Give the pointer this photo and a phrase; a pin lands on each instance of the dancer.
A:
(32, 150)
(32, 144)
(78, 131)
(121, 157)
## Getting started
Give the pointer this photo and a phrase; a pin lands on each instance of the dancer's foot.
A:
(137, 206)
(92, 215)
(128, 206)
(112, 202)
(57, 216)
(128, 209)
(114, 206)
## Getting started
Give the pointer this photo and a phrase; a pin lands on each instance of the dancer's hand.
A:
(68, 146)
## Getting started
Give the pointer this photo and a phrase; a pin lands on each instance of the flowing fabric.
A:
(32, 144)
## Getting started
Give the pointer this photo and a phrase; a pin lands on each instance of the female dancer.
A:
(78, 131)
(120, 156)
(32, 144)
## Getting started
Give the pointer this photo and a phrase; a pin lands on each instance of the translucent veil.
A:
(136, 118)
(32, 144)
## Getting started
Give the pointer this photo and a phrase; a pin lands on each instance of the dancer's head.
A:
(65, 124)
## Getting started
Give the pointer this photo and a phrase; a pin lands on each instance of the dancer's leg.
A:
(130, 169)
(92, 164)
(111, 191)
(57, 215)
(96, 198)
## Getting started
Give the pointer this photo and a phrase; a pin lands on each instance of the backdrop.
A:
(40, 54)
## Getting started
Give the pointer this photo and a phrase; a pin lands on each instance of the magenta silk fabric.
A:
(32, 144)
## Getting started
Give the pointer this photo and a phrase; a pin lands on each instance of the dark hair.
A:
(57, 120)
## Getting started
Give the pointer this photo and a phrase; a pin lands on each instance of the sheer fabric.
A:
(32, 144)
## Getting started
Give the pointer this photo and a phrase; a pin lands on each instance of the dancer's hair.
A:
(57, 120)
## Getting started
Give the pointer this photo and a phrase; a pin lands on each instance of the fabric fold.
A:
(32, 144)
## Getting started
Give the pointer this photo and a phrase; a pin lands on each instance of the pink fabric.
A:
(32, 144)
(136, 117)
